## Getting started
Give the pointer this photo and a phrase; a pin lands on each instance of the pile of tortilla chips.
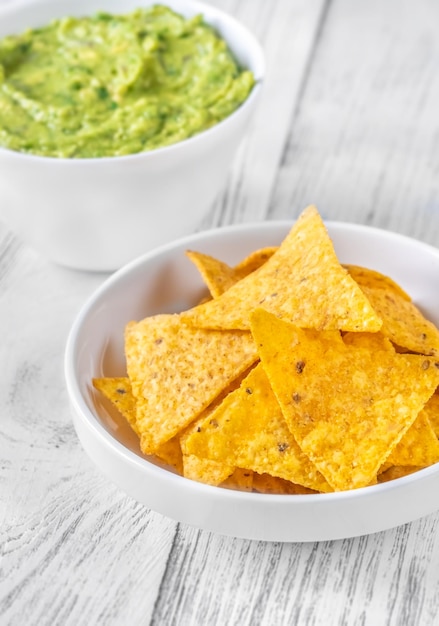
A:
(297, 375)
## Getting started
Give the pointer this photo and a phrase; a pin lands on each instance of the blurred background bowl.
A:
(97, 214)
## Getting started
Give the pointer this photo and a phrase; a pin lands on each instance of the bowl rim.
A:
(225, 495)
(201, 7)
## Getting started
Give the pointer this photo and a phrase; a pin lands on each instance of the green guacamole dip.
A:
(111, 85)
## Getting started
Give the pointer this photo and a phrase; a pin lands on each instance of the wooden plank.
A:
(287, 31)
(364, 146)
(69, 539)
(387, 578)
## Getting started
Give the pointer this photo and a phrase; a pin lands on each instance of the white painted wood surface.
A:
(349, 120)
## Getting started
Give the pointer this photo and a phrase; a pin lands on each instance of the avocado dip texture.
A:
(112, 85)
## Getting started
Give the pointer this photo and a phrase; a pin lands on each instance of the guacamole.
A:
(112, 85)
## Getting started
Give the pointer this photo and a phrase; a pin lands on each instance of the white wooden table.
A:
(349, 120)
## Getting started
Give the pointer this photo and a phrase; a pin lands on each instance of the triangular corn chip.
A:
(254, 261)
(302, 281)
(419, 447)
(119, 392)
(370, 341)
(219, 277)
(346, 406)
(205, 470)
(177, 371)
(398, 471)
(170, 454)
(366, 277)
(403, 322)
(432, 410)
(248, 430)
(264, 483)
(241, 480)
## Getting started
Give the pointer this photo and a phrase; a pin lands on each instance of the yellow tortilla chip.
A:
(240, 480)
(254, 261)
(170, 454)
(432, 411)
(302, 281)
(219, 277)
(346, 406)
(177, 371)
(403, 322)
(247, 430)
(375, 280)
(392, 473)
(419, 447)
(264, 483)
(118, 391)
(370, 341)
(205, 470)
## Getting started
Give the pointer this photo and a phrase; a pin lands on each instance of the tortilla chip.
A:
(219, 277)
(432, 410)
(195, 466)
(302, 281)
(419, 447)
(264, 483)
(370, 341)
(254, 261)
(205, 470)
(240, 480)
(118, 391)
(170, 453)
(176, 371)
(403, 322)
(392, 473)
(347, 407)
(247, 430)
(366, 277)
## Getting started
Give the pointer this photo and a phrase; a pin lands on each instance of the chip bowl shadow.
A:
(164, 280)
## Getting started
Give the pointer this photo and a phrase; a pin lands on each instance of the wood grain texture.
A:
(287, 31)
(370, 580)
(364, 143)
(69, 540)
(348, 120)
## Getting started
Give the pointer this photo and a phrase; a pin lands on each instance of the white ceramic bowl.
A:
(164, 280)
(97, 214)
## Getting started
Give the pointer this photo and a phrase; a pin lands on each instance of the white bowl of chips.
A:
(297, 402)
